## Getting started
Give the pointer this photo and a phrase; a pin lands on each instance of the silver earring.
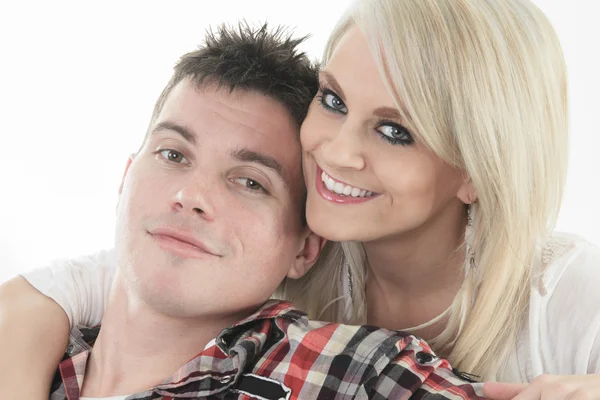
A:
(351, 283)
(469, 237)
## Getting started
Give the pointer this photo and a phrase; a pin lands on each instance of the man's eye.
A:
(250, 184)
(172, 156)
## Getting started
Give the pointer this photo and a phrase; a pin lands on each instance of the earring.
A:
(350, 282)
(469, 236)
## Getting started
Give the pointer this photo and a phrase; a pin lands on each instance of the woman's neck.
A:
(415, 276)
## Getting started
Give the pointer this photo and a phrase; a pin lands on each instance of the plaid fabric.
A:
(278, 353)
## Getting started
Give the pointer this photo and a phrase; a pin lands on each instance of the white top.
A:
(562, 335)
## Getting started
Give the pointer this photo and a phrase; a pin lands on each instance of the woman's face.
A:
(367, 174)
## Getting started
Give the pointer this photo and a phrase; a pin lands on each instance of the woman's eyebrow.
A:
(388, 113)
(328, 77)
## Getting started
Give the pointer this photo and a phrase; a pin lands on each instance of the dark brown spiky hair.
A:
(247, 58)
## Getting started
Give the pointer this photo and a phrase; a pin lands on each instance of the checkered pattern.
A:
(278, 347)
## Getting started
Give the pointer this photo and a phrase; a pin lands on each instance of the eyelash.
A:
(323, 91)
(159, 152)
(254, 191)
(406, 141)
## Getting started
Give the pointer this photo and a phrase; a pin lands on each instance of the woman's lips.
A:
(335, 197)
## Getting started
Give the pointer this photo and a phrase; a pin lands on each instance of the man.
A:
(209, 223)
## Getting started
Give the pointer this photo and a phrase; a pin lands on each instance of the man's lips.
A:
(182, 242)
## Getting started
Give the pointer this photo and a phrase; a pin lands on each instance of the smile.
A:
(342, 188)
(180, 243)
(341, 192)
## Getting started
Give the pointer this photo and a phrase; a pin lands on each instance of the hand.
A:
(547, 387)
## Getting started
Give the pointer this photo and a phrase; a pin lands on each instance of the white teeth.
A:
(343, 189)
(330, 183)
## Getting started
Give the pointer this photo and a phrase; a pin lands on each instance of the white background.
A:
(78, 81)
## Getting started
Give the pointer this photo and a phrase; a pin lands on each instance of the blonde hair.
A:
(483, 84)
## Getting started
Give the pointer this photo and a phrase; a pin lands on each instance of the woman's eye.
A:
(250, 184)
(331, 101)
(395, 134)
(172, 156)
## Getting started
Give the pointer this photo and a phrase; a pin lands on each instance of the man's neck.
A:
(138, 348)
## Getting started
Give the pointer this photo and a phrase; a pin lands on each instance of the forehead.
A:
(353, 66)
(212, 107)
(240, 119)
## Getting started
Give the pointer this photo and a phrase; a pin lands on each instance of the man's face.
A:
(209, 220)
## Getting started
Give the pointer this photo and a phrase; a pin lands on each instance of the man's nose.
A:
(194, 198)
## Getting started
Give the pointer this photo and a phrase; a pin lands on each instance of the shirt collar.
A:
(214, 370)
(274, 309)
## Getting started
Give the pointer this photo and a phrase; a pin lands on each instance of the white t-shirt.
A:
(561, 336)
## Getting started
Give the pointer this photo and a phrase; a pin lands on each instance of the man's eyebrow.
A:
(251, 156)
(331, 81)
(187, 134)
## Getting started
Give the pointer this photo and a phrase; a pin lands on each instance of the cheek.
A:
(244, 219)
(263, 231)
(269, 231)
(312, 129)
(144, 196)
(424, 181)
(138, 196)
(265, 254)
(408, 175)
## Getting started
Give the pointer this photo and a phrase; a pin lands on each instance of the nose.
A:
(194, 198)
(344, 150)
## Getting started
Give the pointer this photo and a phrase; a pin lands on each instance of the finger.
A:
(532, 392)
(502, 391)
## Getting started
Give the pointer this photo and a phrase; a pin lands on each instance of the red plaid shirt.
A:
(278, 353)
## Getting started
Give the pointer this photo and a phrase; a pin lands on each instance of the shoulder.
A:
(370, 344)
(564, 318)
(363, 342)
(384, 363)
(358, 360)
(66, 270)
(103, 258)
(567, 263)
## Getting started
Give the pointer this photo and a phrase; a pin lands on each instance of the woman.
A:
(435, 156)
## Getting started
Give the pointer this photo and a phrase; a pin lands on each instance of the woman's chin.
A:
(336, 229)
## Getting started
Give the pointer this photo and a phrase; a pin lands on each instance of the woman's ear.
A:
(466, 192)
